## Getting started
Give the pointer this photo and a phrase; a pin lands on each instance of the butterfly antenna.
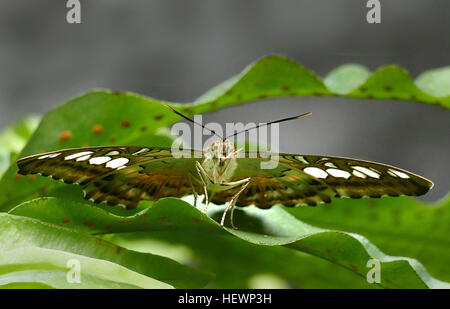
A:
(191, 120)
(272, 122)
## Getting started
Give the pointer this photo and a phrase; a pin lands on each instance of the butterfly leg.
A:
(202, 174)
(193, 191)
(245, 182)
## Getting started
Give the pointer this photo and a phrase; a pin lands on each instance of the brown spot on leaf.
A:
(286, 88)
(125, 123)
(97, 129)
(65, 136)
(328, 250)
(196, 221)
(113, 139)
(363, 89)
(66, 220)
(144, 216)
(89, 223)
(32, 177)
(118, 249)
(18, 176)
(159, 117)
(388, 88)
(163, 219)
(354, 267)
(143, 128)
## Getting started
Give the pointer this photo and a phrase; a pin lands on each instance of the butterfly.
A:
(126, 175)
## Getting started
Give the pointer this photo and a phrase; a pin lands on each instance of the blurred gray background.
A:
(175, 50)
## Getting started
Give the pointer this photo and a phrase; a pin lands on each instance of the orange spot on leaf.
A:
(97, 129)
(18, 176)
(328, 250)
(32, 177)
(163, 219)
(125, 124)
(196, 221)
(66, 220)
(65, 136)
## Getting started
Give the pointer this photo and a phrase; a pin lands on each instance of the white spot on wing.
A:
(117, 162)
(330, 164)
(358, 174)
(141, 151)
(315, 172)
(112, 153)
(398, 173)
(301, 159)
(338, 173)
(99, 160)
(367, 171)
(49, 156)
(77, 155)
(83, 158)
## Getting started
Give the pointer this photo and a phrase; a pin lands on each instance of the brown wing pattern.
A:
(116, 174)
(308, 180)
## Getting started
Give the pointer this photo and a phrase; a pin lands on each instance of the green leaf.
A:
(398, 226)
(276, 76)
(273, 227)
(345, 78)
(436, 82)
(241, 264)
(14, 138)
(38, 252)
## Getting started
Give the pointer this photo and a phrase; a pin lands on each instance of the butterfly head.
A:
(220, 157)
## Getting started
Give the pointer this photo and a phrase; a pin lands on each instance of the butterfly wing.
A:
(308, 180)
(118, 174)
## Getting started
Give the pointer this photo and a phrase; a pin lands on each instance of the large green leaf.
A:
(241, 264)
(273, 227)
(398, 226)
(36, 252)
(276, 76)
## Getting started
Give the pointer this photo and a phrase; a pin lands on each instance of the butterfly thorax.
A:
(220, 161)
